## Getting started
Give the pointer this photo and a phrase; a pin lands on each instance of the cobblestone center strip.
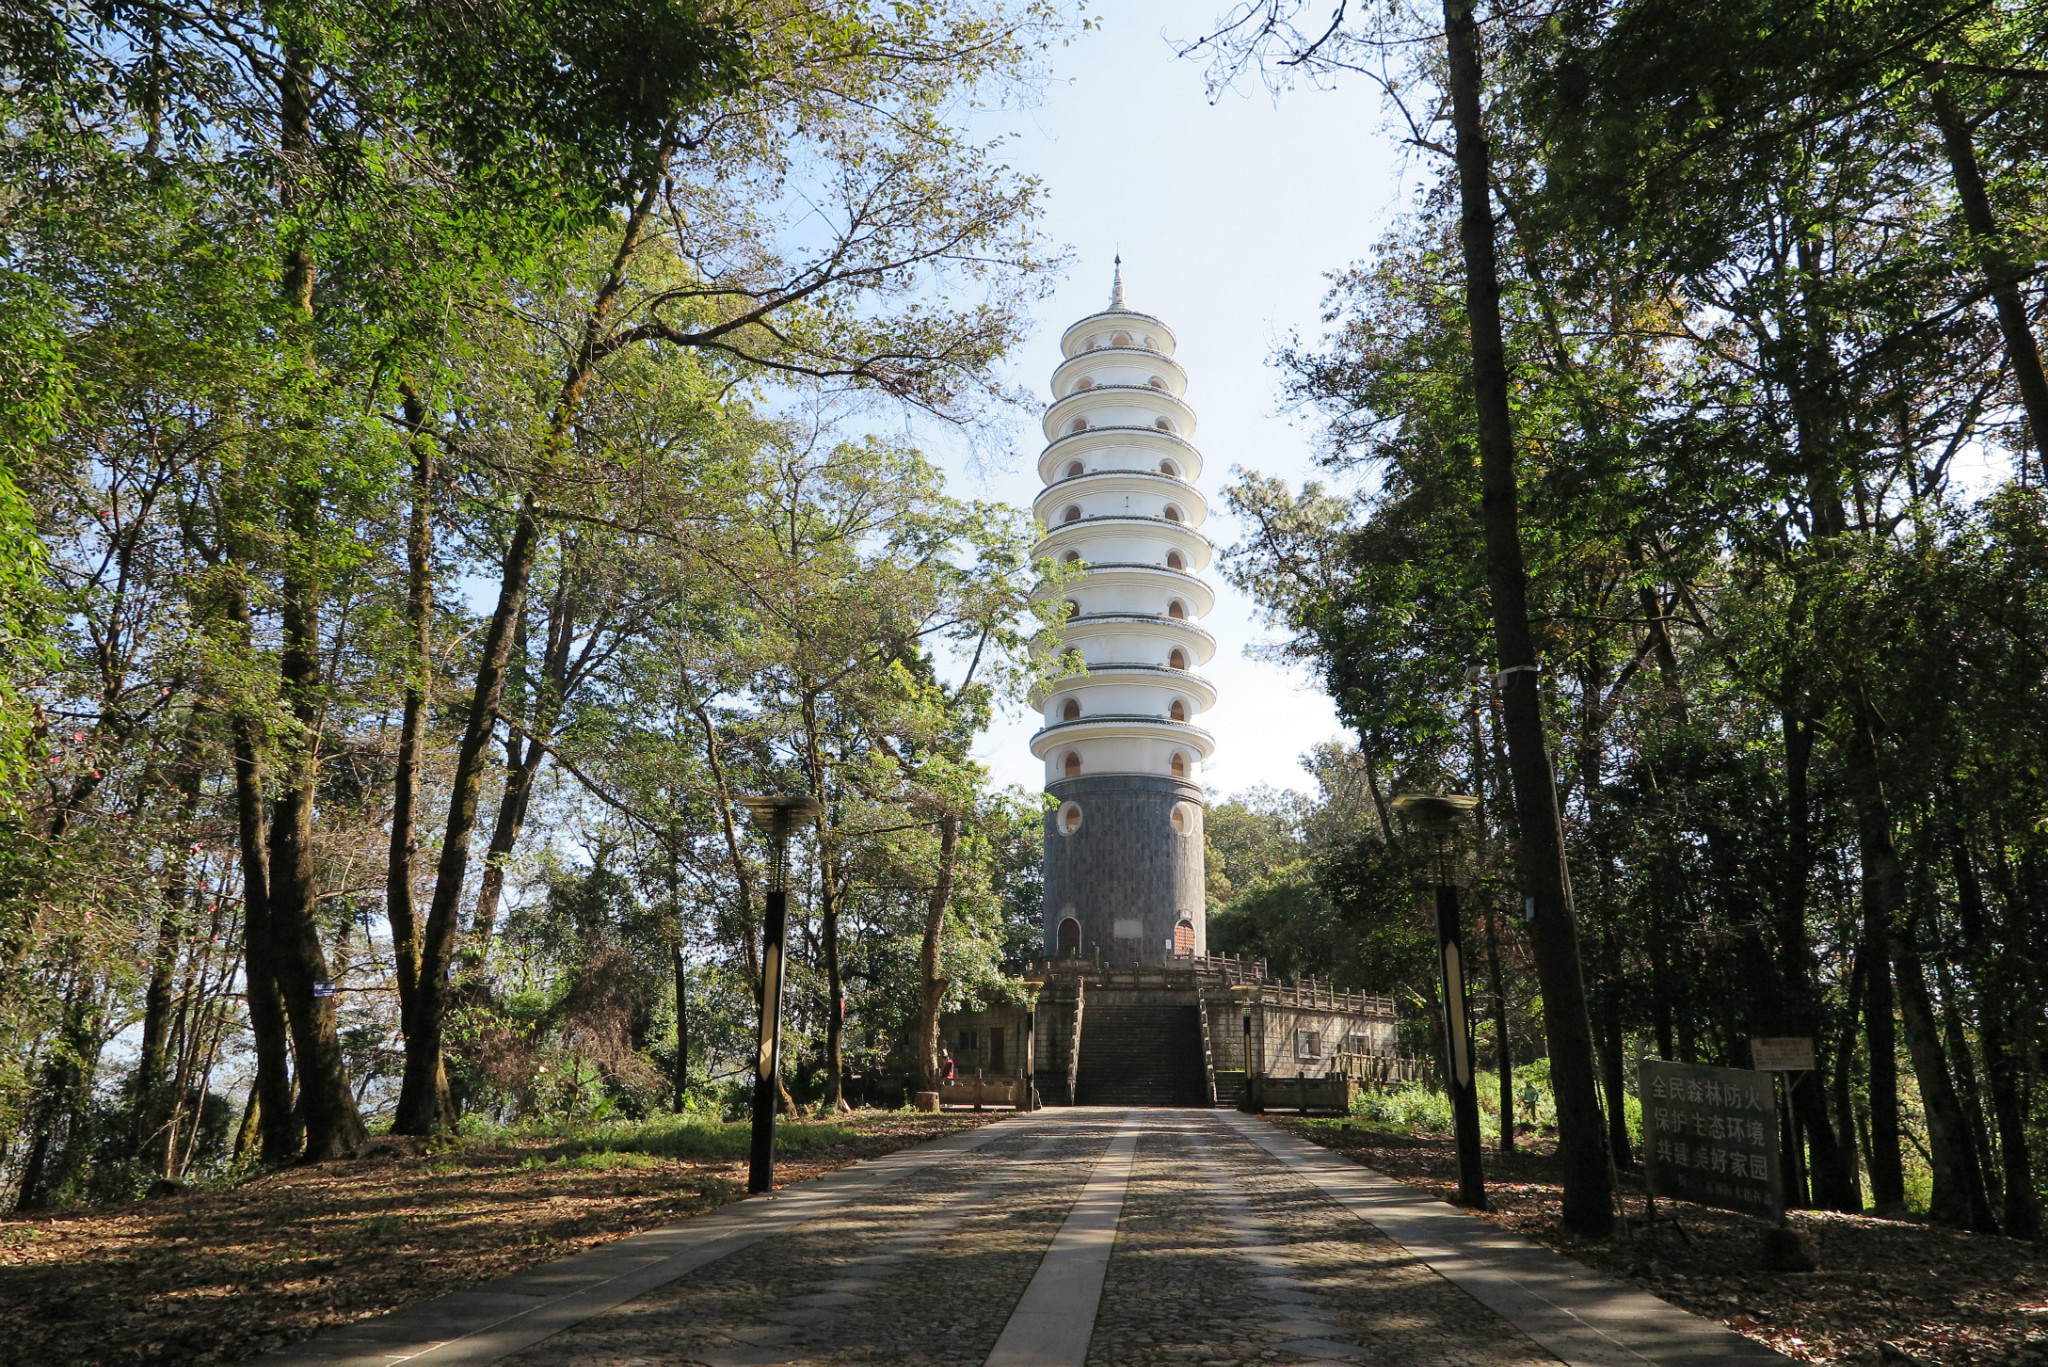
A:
(921, 1275)
(1055, 1319)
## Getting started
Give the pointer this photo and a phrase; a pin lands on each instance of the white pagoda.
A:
(1122, 752)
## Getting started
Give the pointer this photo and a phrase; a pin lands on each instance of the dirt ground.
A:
(1888, 1291)
(216, 1276)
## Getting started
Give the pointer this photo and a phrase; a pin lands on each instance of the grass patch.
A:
(603, 1160)
(1408, 1109)
(688, 1136)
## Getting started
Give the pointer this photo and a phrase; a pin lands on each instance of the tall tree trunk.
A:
(835, 982)
(1842, 1076)
(423, 1101)
(932, 988)
(682, 971)
(334, 1127)
(402, 858)
(57, 1088)
(1606, 1003)
(2021, 350)
(1967, 1091)
(1959, 1196)
(1887, 1134)
(1958, 1188)
(147, 1123)
(741, 876)
(828, 908)
(269, 1032)
(150, 1138)
(1503, 1054)
(1998, 994)
(1809, 381)
(525, 755)
(522, 765)
(1554, 935)
(1503, 1047)
(1612, 1062)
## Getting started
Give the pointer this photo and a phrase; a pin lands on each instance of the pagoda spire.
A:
(1116, 287)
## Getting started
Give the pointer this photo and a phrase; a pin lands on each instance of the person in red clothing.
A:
(946, 1063)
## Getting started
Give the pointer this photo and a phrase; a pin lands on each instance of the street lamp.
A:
(777, 816)
(1032, 987)
(1439, 816)
(1246, 994)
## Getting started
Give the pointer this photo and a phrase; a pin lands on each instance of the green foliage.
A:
(1762, 285)
(246, 352)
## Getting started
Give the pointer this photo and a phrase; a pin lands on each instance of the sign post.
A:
(1792, 1057)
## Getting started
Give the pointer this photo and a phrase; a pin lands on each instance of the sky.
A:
(1229, 217)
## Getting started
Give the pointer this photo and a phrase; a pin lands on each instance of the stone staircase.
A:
(1230, 1090)
(1141, 1055)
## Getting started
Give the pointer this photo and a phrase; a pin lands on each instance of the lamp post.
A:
(1032, 987)
(1439, 816)
(777, 816)
(1246, 995)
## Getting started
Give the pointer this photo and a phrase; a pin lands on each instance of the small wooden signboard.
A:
(1786, 1054)
(1710, 1135)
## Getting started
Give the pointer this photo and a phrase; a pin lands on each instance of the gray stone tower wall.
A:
(1125, 863)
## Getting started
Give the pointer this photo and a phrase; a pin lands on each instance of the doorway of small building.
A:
(1184, 938)
(1070, 936)
(996, 1060)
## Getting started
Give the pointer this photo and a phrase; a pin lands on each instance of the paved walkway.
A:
(1069, 1238)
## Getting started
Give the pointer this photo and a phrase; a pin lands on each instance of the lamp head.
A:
(778, 814)
(1437, 814)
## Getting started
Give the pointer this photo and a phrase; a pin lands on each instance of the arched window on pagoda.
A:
(1072, 766)
(1179, 710)
(1070, 710)
(1177, 660)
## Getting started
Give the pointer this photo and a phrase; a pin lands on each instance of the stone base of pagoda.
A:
(1125, 874)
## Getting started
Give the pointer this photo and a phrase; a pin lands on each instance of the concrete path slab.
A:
(1583, 1318)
